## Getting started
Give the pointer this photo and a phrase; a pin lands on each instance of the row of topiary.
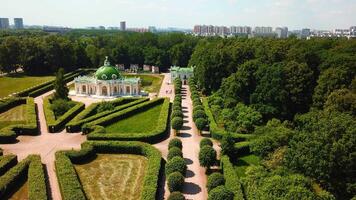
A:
(9, 133)
(69, 182)
(56, 124)
(90, 114)
(199, 116)
(177, 114)
(97, 131)
(32, 168)
(175, 168)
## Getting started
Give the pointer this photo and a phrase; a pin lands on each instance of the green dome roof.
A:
(107, 72)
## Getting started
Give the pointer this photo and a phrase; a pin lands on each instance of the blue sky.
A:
(319, 14)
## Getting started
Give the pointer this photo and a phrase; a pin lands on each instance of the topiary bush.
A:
(214, 180)
(173, 152)
(177, 113)
(198, 114)
(175, 181)
(220, 193)
(201, 123)
(175, 142)
(176, 196)
(204, 142)
(176, 164)
(207, 156)
(177, 123)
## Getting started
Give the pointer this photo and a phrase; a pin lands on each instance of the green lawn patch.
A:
(121, 176)
(141, 122)
(16, 115)
(18, 82)
(150, 83)
(243, 162)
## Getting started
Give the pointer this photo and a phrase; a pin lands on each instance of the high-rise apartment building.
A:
(282, 32)
(4, 23)
(305, 32)
(123, 26)
(18, 22)
(263, 30)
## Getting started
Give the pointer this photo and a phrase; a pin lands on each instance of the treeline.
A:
(41, 53)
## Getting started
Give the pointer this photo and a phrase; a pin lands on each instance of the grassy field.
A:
(113, 176)
(141, 122)
(150, 83)
(18, 82)
(15, 115)
(243, 162)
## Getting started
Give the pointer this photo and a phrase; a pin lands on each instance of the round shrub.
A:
(214, 180)
(198, 114)
(175, 142)
(176, 196)
(173, 152)
(177, 123)
(220, 193)
(201, 123)
(196, 102)
(204, 142)
(196, 108)
(175, 181)
(176, 164)
(177, 113)
(177, 107)
(207, 156)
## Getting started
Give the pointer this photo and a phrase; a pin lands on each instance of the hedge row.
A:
(176, 166)
(217, 132)
(87, 116)
(199, 115)
(8, 103)
(9, 133)
(177, 114)
(231, 179)
(53, 124)
(6, 162)
(242, 148)
(69, 182)
(30, 167)
(160, 132)
(1, 152)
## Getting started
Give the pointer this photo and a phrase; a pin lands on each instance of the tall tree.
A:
(60, 87)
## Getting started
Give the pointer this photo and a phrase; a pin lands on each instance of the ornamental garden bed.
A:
(125, 124)
(121, 170)
(18, 117)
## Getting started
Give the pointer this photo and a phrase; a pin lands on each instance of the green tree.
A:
(207, 157)
(175, 181)
(214, 180)
(221, 193)
(343, 100)
(60, 87)
(227, 145)
(10, 54)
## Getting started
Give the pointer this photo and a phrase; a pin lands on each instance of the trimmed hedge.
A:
(214, 180)
(69, 182)
(9, 133)
(176, 164)
(37, 184)
(176, 196)
(242, 147)
(175, 142)
(219, 193)
(175, 181)
(173, 152)
(232, 181)
(204, 142)
(217, 132)
(6, 162)
(156, 135)
(76, 123)
(55, 125)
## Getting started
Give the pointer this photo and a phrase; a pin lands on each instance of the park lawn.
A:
(113, 176)
(150, 83)
(142, 122)
(18, 82)
(243, 162)
(16, 115)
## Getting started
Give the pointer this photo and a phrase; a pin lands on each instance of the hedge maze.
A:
(68, 163)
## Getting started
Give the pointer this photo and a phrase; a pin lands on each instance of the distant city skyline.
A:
(295, 14)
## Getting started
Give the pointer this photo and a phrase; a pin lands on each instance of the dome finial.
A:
(106, 62)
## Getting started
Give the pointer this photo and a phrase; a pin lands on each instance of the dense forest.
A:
(37, 52)
(297, 97)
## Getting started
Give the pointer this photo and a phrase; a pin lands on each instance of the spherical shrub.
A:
(198, 114)
(177, 107)
(175, 142)
(207, 156)
(205, 141)
(177, 123)
(214, 180)
(220, 193)
(196, 108)
(176, 196)
(173, 152)
(176, 164)
(177, 113)
(196, 102)
(201, 123)
(175, 181)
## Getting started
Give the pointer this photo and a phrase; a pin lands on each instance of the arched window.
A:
(127, 89)
(104, 91)
(115, 89)
(84, 89)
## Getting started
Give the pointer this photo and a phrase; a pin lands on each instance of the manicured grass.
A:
(18, 82)
(113, 176)
(16, 115)
(141, 122)
(150, 83)
(243, 162)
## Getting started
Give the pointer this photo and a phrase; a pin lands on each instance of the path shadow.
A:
(185, 116)
(185, 121)
(184, 107)
(185, 111)
(185, 128)
(191, 188)
(184, 135)
(189, 174)
(188, 161)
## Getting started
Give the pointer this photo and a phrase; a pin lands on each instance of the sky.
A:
(296, 14)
